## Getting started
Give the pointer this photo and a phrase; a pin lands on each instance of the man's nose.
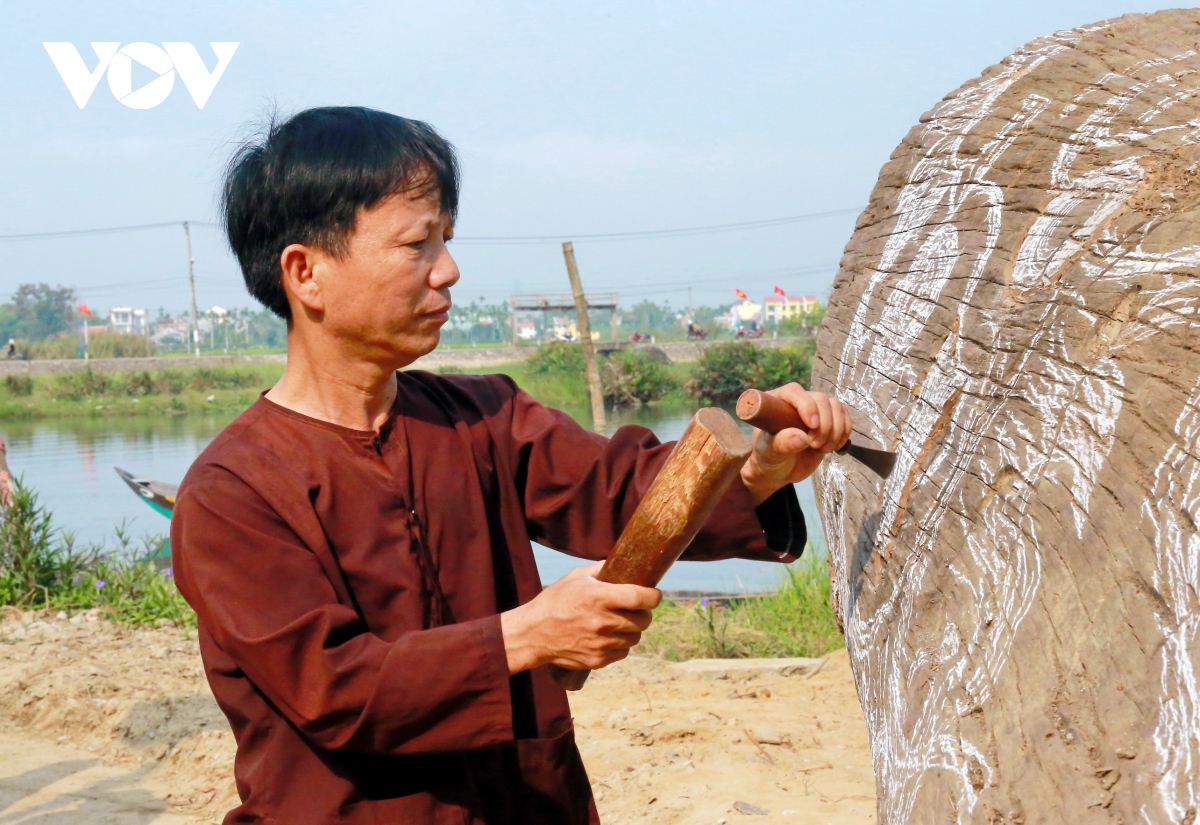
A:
(445, 270)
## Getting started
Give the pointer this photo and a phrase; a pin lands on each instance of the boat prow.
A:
(158, 494)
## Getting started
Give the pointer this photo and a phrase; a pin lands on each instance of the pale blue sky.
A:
(570, 118)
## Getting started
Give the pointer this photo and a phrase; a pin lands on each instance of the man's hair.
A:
(304, 179)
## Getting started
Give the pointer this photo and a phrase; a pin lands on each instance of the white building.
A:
(128, 321)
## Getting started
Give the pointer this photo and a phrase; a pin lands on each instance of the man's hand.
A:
(579, 623)
(793, 454)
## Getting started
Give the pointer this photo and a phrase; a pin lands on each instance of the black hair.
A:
(304, 179)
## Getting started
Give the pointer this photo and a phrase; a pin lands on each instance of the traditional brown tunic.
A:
(349, 585)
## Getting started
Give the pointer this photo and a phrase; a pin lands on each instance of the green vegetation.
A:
(65, 345)
(627, 377)
(161, 392)
(40, 567)
(37, 311)
(795, 619)
(634, 377)
(726, 370)
(556, 357)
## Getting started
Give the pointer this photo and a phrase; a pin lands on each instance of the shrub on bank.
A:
(724, 371)
(632, 377)
(75, 386)
(557, 357)
(18, 385)
(627, 377)
(65, 345)
(40, 567)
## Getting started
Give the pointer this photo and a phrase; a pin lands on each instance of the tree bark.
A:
(1016, 315)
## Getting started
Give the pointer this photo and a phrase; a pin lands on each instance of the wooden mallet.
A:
(707, 457)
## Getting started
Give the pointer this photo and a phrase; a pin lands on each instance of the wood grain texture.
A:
(708, 456)
(1016, 315)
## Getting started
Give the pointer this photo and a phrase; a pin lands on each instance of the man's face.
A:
(386, 298)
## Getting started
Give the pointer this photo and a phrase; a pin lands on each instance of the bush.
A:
(65, 345)
(74, 386)
(726, 370)
(557, 357)
(19, 385)
(35, 561)
(630, 377)
(222, 378)
(39, 567)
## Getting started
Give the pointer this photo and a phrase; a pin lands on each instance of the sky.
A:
(571, 119)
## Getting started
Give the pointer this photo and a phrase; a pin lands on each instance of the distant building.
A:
(128, 321)
(741, 314)
(777, 309)
(526, 330)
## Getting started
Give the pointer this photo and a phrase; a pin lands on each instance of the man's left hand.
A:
(793, 454)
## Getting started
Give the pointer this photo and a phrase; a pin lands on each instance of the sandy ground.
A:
(102, 724)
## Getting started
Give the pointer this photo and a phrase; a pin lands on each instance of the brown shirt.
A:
(348, 588)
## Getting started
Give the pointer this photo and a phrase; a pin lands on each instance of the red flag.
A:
(741, 294)
(83, 310)
(780, 292)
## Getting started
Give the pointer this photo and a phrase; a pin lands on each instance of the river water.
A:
(70, 465)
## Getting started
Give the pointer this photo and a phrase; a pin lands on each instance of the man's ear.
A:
(299, 265)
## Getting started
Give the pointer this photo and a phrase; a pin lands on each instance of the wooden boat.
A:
(158, 494)
(161, 497)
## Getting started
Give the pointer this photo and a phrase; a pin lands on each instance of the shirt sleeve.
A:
(266, 601)
(580, 488)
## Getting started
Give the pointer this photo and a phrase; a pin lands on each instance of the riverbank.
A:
(217, 390)
(468, 359)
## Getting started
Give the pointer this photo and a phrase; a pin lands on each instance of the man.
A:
(357, 543)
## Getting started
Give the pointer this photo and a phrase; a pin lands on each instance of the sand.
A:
(100, 723)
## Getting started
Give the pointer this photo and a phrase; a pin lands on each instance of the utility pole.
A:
(585, 332)
(691, 317)
(187, 233)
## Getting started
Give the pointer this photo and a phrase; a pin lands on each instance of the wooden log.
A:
(707, 457)
(1016, 315)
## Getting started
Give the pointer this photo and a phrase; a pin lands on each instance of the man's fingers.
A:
(631, 597)
(803, 402)
(790, 441)
(635, 620)
(848, 424)
(839, 426)
(585, 570)
(820, 434)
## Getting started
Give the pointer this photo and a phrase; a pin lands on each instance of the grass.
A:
(173, 391)
(42, 568)
(795, 619)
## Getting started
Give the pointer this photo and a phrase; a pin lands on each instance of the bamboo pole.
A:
(585, 333)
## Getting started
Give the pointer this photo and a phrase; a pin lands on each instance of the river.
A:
(69, 462)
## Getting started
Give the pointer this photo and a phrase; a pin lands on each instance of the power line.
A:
(656, 233)
(106, 230)
(482, 239)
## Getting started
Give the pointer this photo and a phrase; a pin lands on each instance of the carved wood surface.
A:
(1016, 315)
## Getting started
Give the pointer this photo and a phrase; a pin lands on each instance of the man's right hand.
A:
(579, 623)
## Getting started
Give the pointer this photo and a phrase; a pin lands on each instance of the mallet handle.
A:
(707, 457)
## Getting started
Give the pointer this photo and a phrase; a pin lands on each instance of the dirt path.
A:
(100, 724)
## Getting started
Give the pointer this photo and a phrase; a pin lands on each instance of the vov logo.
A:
(118, 60)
